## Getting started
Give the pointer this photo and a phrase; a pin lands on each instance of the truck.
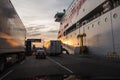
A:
(53, 47)
(12, 36)
(28, 49)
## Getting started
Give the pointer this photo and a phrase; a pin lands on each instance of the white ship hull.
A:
(102, 32)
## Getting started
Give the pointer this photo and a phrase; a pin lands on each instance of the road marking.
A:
(6, 74)
(60, 65)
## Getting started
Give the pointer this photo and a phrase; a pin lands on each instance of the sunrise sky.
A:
(38, 16)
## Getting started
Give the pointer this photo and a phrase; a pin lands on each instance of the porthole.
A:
(98, 22)
(88, 27)
(115, 15)
(106, 19)
(92, 25)
(83, 10)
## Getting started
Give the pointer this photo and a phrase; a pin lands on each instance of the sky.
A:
(38, 16)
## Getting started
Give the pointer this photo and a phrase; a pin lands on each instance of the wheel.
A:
(35, 57)
(2, 64)
(21, 57)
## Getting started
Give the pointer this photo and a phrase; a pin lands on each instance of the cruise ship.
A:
(91, 27)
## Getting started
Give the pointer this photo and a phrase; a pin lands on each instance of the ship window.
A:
(88, 27)
(70, 29)
(98, 22)
(92, 25)
(115, 15)
(77, 25)
(83, 10)
(106, 19)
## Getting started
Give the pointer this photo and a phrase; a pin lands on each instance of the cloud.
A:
(38, 15)
(53, 31)
(34, 34)
(36, 27)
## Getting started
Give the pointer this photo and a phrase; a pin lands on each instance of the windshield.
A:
(59, 39)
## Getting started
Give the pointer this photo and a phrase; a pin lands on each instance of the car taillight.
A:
(44, 53)
(36, 53)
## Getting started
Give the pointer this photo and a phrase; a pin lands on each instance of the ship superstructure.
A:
(94, 24)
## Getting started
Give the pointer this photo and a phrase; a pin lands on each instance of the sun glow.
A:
(68, 43)
(9, 39)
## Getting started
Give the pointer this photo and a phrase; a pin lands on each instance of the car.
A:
(40, 54)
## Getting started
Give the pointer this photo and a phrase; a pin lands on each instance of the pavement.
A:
(64, 64)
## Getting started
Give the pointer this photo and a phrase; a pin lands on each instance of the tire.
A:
(20, 57)
(36, 57)
(2, 64)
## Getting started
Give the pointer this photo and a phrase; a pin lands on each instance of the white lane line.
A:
(60, 65)
(6, 74)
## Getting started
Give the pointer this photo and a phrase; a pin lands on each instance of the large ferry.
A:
(91, 26)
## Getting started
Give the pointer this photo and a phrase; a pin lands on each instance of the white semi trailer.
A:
(12, 35)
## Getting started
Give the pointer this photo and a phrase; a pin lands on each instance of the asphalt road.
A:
(63, 65)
